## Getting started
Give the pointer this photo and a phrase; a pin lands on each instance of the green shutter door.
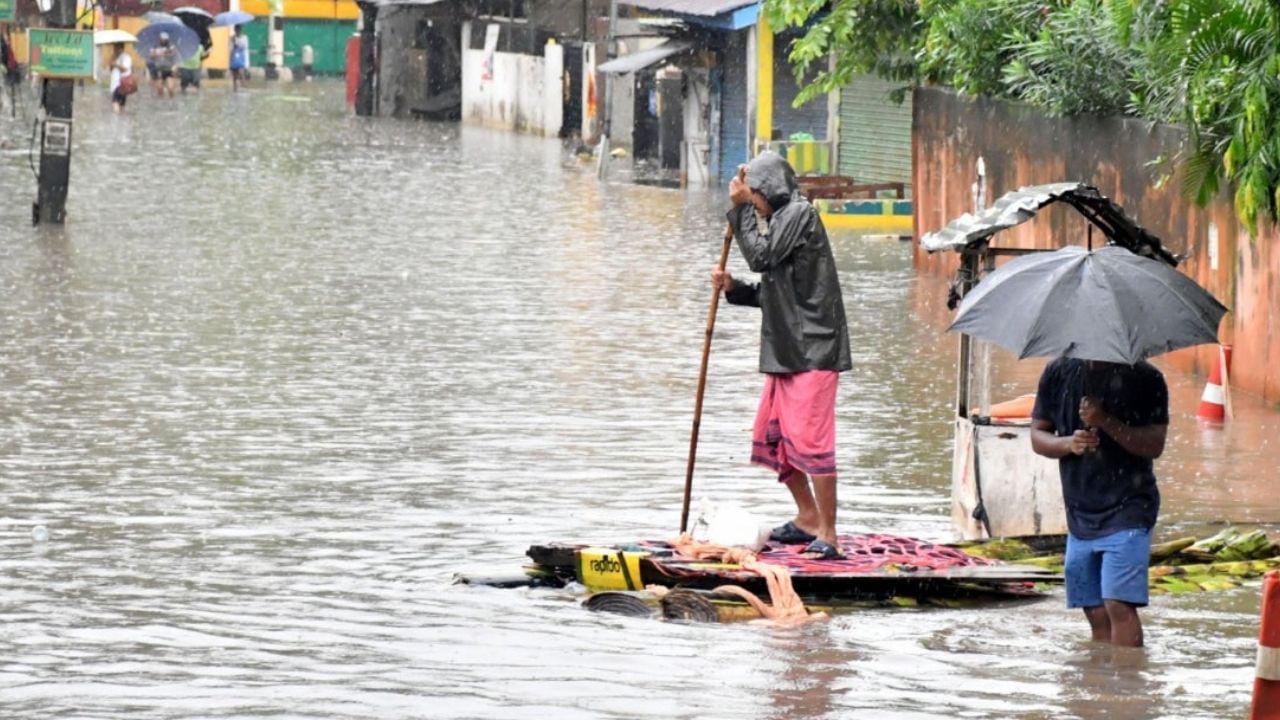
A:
(328, 38)
(256, 33)
(875, 132)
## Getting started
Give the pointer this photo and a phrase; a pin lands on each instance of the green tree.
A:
(877, 37)
(1088, 56)
(1211, 65)
(969, 43)
(1227, 55)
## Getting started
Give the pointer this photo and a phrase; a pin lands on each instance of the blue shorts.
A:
(1112, 567)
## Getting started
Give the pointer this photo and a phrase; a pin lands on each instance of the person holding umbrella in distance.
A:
(163, 58)
(239, 59)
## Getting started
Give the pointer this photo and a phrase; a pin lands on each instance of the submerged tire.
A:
(618, 603)
(688, 606)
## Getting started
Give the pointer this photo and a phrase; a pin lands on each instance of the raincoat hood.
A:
(802, 319)
(773, 177)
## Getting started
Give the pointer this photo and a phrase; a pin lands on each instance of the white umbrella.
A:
(111, 37)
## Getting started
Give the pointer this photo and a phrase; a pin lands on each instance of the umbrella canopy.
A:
(155, 16)
(111, 37)
(193, 11)
(232, 18)
(1108, 304)
(182, 37)
(198, 20)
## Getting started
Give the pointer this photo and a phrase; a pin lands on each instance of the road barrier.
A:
(1266, 684)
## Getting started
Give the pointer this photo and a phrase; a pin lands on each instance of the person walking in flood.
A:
(163, 58)
(190, 70)
(123, 83)
(804, 343)
(239, 59)
(1105, 423)
(10, 71)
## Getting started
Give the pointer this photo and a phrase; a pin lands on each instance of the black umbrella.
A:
(1108, 304)
(198, 20)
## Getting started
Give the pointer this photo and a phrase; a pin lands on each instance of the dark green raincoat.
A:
(802, 322)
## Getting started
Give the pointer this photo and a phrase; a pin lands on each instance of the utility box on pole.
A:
(58, 56)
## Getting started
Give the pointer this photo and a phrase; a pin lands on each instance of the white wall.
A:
(524, 94)
(553, 89)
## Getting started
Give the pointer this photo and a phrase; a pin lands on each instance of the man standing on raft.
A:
(804, 343)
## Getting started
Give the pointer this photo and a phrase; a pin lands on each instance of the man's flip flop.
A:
(824, 550)
(790, 534)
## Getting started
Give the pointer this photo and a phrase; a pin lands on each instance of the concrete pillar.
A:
(553, 88)
(764, 84)
(275, 45)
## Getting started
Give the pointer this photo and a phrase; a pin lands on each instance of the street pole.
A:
(366, 86)
(56, 96)
(610, 52)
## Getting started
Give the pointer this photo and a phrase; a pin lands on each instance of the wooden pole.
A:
(702, 371)
(702, 382)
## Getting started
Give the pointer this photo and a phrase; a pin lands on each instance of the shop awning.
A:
(643, 59)
(705, 8)
(729, 15)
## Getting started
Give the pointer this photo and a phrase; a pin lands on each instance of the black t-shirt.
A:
(1110, 489)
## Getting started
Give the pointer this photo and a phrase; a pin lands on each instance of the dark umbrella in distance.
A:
(1108, 304)
(184, 39)
(198, 20)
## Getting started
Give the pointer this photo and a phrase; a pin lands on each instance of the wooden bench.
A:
(842, 187)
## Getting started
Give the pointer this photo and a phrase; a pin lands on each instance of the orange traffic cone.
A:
(1266, 684)
(1215, 403)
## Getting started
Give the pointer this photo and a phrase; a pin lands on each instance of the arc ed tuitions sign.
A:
(56, 53)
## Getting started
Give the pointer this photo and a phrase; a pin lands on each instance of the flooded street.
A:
(285, 372)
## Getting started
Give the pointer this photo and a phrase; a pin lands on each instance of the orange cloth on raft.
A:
(787, 607)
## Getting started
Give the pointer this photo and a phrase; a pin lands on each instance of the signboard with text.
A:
(55, 53)
(8, 10)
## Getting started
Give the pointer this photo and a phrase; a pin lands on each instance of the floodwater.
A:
(286, 372)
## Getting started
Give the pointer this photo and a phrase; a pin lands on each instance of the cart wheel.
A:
(619, 603)
(688, 606)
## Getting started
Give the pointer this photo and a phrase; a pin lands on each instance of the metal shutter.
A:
(875, 132)
(733, 111)
(810, 117)
(327, 38)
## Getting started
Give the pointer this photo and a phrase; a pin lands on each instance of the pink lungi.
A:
(796, 424)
